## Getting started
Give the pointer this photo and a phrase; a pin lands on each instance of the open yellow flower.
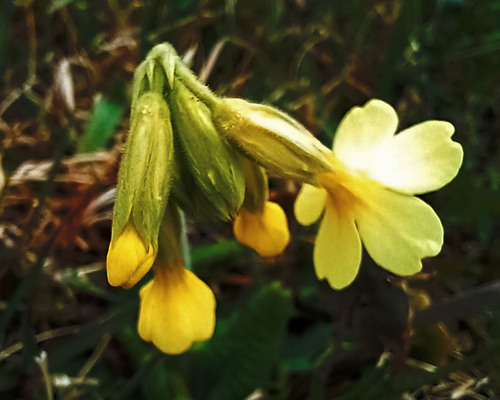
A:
(177, 309)
(369, 196)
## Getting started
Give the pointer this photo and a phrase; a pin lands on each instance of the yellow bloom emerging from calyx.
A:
(260, 224)
(142, 192)
(177, 308)
(369, 196)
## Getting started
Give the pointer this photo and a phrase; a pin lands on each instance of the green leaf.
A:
(216, 258)
(239, 359)
(56, 5)
(306, 351)
(157, 375)
(89, 334)
(102, 124)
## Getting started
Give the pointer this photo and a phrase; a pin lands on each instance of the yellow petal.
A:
(362, 131)
(398, 230)
(129, 259)
(309, 204)
(177, 309)
(266, 232)
(337, 250)
(420, 159)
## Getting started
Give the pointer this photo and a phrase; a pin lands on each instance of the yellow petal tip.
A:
(177, 309)
(129, 259)
(266, 232)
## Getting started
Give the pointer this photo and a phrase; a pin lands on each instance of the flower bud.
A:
(260, 224)
(214, 165)
(188, 194)
(145, 171)
(177, 308)
(265, 231)
(129, 258)
(272, 139)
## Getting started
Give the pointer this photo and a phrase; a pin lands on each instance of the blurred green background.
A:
(66, 70)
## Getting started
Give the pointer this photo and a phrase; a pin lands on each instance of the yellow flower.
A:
(260, 224)
(177, 309)
(369, 196)
(129, 259)
(265, 231)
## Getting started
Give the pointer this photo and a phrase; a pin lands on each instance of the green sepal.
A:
(255, 334)
(157, 69)
(145, 171)
(167, 57)
(272, 139)
(188, 195)
(140, 84)
(215, 166)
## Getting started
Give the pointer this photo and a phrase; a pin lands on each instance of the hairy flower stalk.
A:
(368, 196)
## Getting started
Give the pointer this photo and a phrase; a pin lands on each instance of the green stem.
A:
(201, 91)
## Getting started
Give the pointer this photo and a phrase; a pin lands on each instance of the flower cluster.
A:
(194, 153)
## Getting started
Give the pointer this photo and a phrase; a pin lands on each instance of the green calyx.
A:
(214, 165)
(272, 139)
(145, 171)
(211, 135)
(209, 175)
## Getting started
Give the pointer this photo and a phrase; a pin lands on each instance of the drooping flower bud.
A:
(143, 188)
(129, 258)
(177, 308)
(260, 224)
(214, 165)
(266, 232)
